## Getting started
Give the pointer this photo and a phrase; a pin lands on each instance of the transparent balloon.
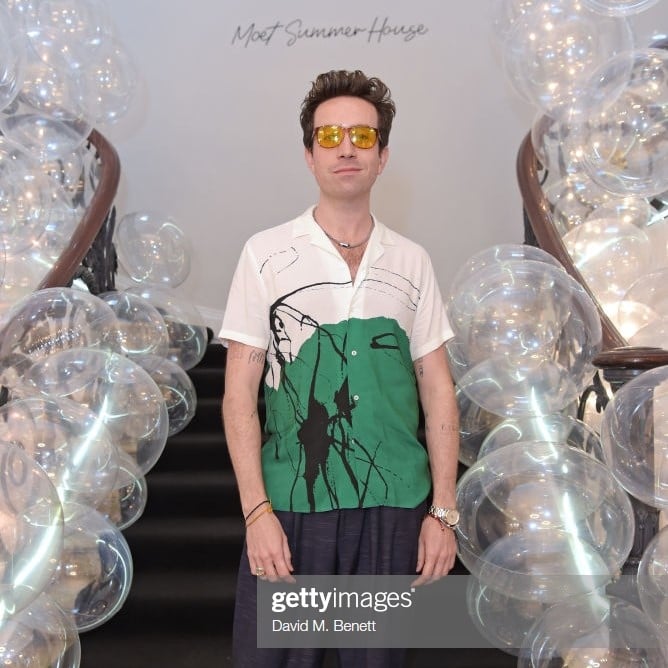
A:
(68, 172)
(110, 78)
(526, 334)
(634, 433)
(48, 116)
(41, 634)
(124, 397)
(141, 330)
(177, 388)
(95, 573)
(127, 501)
(626, 147)
(67, 441)
(54, 319)
(593, 630)
(65, 33)
(186, 330)
(652, 335)
(26, 202)
(31, 530)
(56, 235)
(21, 278)
(627, 210)
(557, 145)
(542, 521)
(553, 47)
(574, 198)
(557, 428)
(645, 302)
(653, 579)
(611, 255)
(153, 249)
(502, 619)
(499, 254)
(474, 425)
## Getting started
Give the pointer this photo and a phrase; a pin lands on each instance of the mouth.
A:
(347, 170)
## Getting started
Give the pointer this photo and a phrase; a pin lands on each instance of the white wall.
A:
(214, 139)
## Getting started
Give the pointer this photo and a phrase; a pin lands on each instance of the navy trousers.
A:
(364, 541)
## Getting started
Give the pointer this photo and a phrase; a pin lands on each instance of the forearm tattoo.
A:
(419, 367)
(256, 357)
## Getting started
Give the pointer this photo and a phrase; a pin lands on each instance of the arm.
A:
(437, 547)
(266, 542)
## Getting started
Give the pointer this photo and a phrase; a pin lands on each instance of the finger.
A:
(287, 556)
(420, 558)
(284, 571)
(259, 571)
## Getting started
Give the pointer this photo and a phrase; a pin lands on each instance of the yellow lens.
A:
(363, 136)
(330, 136)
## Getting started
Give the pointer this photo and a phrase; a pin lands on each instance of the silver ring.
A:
(259, 571)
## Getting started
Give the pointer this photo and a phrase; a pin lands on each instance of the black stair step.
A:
(187, 543)
(183, 587)
(208, 381)
(214, 356)
(180, 600)
(197, 493)
(194, 452)
(141, 648)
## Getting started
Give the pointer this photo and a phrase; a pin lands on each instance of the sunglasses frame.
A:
(350, 131)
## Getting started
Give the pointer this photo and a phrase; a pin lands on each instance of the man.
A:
(343, 320)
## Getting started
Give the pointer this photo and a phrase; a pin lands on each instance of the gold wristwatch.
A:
(448, 517)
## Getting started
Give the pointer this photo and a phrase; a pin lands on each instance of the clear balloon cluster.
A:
(525, 332)
(634, 432)
(547, 514)
(547, 523)
(92, 385)
(63, 72)
(601, 134)
(91, 397)
(544, 520)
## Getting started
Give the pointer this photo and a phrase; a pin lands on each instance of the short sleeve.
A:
(246, 318)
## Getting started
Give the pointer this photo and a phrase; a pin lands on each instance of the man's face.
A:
(345, 171)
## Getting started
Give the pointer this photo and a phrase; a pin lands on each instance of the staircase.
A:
(186, 550)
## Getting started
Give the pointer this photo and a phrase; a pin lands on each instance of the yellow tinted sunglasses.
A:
(361, 136)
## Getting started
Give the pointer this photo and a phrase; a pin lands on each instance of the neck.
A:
(345, 231)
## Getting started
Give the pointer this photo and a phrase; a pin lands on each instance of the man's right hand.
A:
(268, 551)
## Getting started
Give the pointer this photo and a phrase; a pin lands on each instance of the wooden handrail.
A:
(93, 218)
(538, 213)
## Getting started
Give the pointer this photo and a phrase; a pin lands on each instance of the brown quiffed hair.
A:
(336, 83)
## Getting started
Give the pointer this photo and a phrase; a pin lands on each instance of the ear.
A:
(384, 157)
(308, 156)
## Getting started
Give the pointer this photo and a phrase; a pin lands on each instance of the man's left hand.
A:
(437, 549)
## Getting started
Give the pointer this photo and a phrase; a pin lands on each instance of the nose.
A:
(346, 148)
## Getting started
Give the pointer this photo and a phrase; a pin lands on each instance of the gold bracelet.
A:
(268, 509)
(259, 505)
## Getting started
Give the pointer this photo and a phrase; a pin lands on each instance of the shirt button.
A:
(356, 397)
(353, 353)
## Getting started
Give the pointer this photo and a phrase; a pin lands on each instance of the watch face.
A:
(452, 516)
